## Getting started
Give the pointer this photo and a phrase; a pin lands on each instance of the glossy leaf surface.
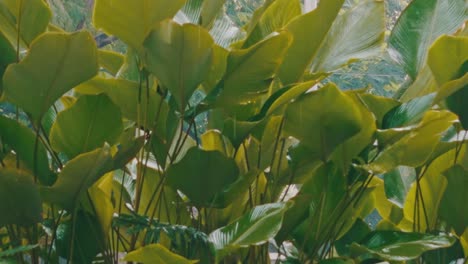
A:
(254, 228)
(422, 22)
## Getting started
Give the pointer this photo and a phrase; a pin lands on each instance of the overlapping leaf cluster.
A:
(111, 161)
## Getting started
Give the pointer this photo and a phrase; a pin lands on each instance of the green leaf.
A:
(180, 57)
(32, 17)
(397, 184)
(349, 149)
(420, 24)
(16, 250)
(21, 202)
(111, 61)
(201, 175)
(88, 238)
(432, 188)
(335, 119)
(379, 106)
(209, 11)
(274, 17)
(92, 121)
(22, 140)
(56, 63)
(413, 145)
(447, 56)
(86, 125)
(125, 94)
(77, 176)
(8, 57)
(337, 261)
(250, 72)
(399, 246)
(113, 17)
(156, 253)
(454, 199)
(358, 33)
(409, 112)
(254, 228)
(309, 32)
(358, 232)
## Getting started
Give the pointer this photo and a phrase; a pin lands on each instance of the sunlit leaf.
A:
(56, 63)
(156, 253)
(113, 16)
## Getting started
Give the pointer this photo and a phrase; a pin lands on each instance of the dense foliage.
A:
(201, 140)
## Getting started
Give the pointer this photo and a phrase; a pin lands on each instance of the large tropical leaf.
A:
(447, 57)
(22, 140)
(8, 57)
(31, 16)
(454, 199)
(274, 17)
(21, 203)
(250, 72)
(126, 94)
(409, 112)
(156, 253)
(420, 24)
(92, 121)
(180, 57)
(397, 184)
(56, 63)
(309, 33)
(201, 175)
(322, 120)
(356, 34)
(77, 176)
(412, 145)
(132, 21)
(431, 187)
(254, 228)
(398, 246)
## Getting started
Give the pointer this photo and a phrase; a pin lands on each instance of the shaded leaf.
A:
(77, 176)
(21, 202)
(454, 200)
(201, 175)
(92, 121)
(110, 60)
(22, 140)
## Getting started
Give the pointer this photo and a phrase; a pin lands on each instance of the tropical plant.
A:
(114, 163)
